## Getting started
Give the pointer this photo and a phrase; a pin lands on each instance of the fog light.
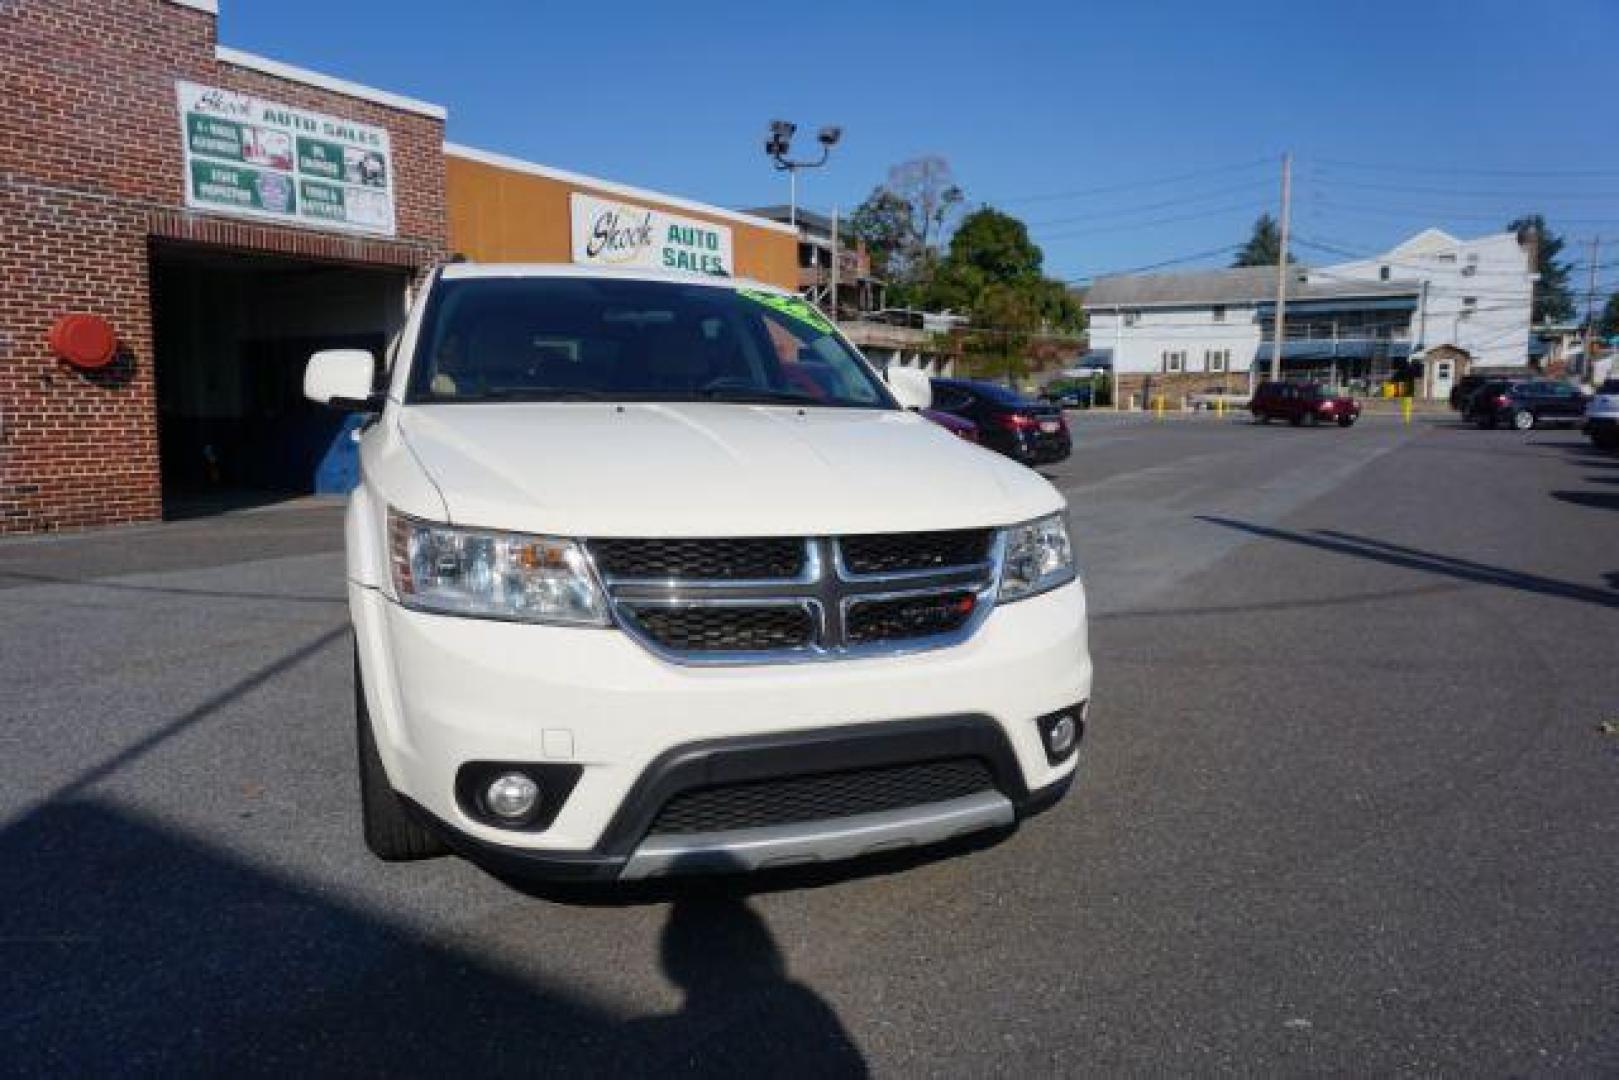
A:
(1061, 736)
(1061, 731)
(512, 796)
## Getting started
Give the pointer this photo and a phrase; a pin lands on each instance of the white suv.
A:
(653, 574)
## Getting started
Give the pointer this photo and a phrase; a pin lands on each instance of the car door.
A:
(1567, 400)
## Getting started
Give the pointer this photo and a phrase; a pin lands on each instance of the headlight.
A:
(1038, 558)
(492, 574)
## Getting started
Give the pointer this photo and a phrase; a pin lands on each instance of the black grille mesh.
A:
(793, 799)
(885, 553)
(909, 617)
(732, 559)
(727, 628)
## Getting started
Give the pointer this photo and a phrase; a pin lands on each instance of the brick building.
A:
(213, 217)
(208, 308)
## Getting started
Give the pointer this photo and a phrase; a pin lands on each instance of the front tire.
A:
(1523, 420)
(1346, 421)
(390, 832)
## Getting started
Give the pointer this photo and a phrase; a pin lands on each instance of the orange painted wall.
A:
(498, 214)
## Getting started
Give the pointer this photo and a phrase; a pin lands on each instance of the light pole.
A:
(780, 142)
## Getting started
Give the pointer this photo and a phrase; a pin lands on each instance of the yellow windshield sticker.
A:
(791, 306)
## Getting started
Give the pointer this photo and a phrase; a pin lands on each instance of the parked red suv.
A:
(1302, 403)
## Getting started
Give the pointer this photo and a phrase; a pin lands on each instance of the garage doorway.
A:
(232, 334)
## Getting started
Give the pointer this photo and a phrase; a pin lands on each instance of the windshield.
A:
(569, 339)
(1002, 395)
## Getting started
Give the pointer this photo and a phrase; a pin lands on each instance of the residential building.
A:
(1454, 304)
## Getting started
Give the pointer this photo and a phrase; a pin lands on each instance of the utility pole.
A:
(1280, 326)
(1590, 309)
(832, 309)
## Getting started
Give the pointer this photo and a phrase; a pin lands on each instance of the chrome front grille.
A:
(773, 600)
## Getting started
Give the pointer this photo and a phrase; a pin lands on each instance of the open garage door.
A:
(233, 332)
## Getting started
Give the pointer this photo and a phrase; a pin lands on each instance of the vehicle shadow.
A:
(1417, 559)
(129, 948)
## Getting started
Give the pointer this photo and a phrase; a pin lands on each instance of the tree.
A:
(1005, 317)
(1553, 300)
(903, 219)
(883, 224)
(1264, 245)
(929, 189)
(1608, 322)
(997, 245)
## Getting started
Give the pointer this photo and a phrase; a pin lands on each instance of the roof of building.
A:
(1241, 285)
(608, 187)
(808, 220)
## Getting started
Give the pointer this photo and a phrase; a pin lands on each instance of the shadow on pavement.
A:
(742, 1015)
(1431, 562)
(1594, 500)
(127, 948)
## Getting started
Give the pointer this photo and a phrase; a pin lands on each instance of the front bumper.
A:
(446, 691)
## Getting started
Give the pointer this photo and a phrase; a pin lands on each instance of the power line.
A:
(1223, 249)
(1570, 174)
(1133, 185)
(1213, 212)
(1454, 192)
(1331, 206)
(1251, 185)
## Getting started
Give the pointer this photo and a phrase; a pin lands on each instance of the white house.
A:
(1465, 302)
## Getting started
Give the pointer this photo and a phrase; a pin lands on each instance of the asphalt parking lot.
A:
(1347, 808)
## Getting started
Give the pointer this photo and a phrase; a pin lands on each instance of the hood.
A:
(709, 469)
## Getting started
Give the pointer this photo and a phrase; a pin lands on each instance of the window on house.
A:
(1174, 360)
(1469, 301)
(1218, 312)
(1448, 257)
(1217, 360)
(1131, 317)
(1382, 273)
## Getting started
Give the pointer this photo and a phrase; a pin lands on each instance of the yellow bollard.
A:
(1405, 410)
(1158, 406)
(1219, 406)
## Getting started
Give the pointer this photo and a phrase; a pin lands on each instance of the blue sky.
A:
(1400, 115)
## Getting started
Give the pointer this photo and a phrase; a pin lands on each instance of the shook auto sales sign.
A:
(256, 158)
(611, 233)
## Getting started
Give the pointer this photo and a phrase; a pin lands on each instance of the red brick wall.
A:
(90, 171)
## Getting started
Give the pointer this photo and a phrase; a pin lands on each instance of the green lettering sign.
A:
(214, 137)
(317, 158)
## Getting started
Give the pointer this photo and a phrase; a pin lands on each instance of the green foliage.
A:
(1554, 302)
(990, 270)
(997, 246)
(902, 219)
(883, 223)
(1608, 323)
(1264, 245)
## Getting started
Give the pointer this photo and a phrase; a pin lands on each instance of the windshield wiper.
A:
(528, 393)
(760, 395)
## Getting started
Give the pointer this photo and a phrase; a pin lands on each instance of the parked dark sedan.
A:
(958, 426)
(1032, 432)
(1525, 405)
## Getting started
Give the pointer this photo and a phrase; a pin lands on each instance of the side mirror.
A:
(343, 379)
(912, 387)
